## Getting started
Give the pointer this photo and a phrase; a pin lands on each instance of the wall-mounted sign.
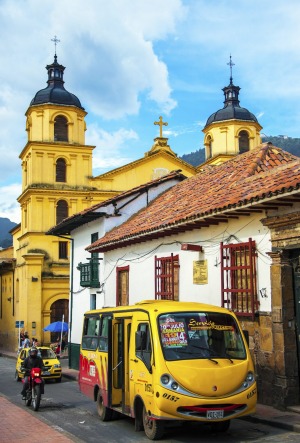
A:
(200, 275)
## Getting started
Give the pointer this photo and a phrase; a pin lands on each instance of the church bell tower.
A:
(231, 130)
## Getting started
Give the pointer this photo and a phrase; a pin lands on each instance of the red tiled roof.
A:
(255, 176)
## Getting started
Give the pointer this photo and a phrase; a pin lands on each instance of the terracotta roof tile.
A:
(257, 174)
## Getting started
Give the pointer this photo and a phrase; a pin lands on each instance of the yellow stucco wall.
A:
(224, 138)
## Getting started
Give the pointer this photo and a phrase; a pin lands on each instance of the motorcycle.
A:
(35, 388)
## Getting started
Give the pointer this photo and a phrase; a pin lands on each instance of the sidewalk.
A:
(289, 419)
(19, 425)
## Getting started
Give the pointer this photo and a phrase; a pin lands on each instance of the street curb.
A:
(273, 422)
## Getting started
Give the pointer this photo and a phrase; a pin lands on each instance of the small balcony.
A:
(89, 273)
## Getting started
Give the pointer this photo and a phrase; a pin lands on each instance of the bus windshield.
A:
(200, 335)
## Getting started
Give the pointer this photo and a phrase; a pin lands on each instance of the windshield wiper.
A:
(228, 357)
(202, 348)
(225, 355)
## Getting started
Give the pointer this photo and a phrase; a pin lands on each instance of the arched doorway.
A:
(59, 309)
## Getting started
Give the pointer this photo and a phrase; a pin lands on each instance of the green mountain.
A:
(288, 144)
(5, 237)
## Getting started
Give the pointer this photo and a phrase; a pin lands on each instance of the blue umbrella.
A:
(57, 326)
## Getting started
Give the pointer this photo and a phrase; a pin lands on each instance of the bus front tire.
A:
(154, 429)
(104, 413)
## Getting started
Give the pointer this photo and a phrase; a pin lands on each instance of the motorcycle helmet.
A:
(33, 352)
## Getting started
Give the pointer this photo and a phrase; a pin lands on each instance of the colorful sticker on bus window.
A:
(173, 333)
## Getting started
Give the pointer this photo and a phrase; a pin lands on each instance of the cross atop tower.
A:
(55, 40)
(160, 123)
(230, 64)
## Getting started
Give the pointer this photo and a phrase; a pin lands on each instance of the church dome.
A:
(232, 109)
(55, 92)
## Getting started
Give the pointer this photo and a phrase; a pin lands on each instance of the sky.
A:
(131, 61)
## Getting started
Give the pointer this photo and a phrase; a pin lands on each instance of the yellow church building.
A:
(57, 182)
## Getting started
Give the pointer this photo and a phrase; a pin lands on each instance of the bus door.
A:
(121, 328)
(142, 359)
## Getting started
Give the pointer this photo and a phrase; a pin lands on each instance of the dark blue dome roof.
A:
(232, 109)
(230, 113)
(55, 92)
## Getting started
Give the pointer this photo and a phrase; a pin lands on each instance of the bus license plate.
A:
(212, 415)
(46, 373)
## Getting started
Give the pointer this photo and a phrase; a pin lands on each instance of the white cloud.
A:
(129, 60)
(108, 154)
(9, 207)
(107, 48)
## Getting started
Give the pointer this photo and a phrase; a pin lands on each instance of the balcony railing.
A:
(89, 273)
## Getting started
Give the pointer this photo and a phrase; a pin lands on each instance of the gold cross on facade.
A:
(161, 124)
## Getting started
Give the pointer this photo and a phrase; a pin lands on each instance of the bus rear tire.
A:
(220, 426)
(154, 429)
(104, 413)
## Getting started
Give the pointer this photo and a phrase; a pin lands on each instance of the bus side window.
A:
(90, 333)
(143, 347)
(103, 341)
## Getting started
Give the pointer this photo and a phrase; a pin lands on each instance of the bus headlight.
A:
(165, 378)
(250, 377)
(249, 380)
(174, 385)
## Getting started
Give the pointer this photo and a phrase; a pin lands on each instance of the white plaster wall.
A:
(81, 296)
(140, 259)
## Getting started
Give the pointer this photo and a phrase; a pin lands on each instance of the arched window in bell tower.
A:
(61, 211)
(61, 170)
(209, 147)
(244, 144)
(61, 129)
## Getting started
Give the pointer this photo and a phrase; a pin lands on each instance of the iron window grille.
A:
(167, 278)
(61, 169)
(61, 211)
(63, 250)
(239, 278)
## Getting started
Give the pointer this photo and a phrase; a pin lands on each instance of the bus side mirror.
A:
(246, 335)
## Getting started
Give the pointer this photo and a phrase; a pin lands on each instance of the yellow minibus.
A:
(160, 361)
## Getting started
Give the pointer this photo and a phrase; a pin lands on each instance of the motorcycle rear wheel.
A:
(36, 398)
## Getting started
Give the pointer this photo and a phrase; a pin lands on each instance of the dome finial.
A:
(55, 40)
(230, 64)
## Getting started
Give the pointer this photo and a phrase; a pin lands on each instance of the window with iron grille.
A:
(62, 249)
(243, 142)
(61, 211)
(238, 278)
(61, 170)
(167, 278)
(61, 129)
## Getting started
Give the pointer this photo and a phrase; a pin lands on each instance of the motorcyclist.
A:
(32, 361)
